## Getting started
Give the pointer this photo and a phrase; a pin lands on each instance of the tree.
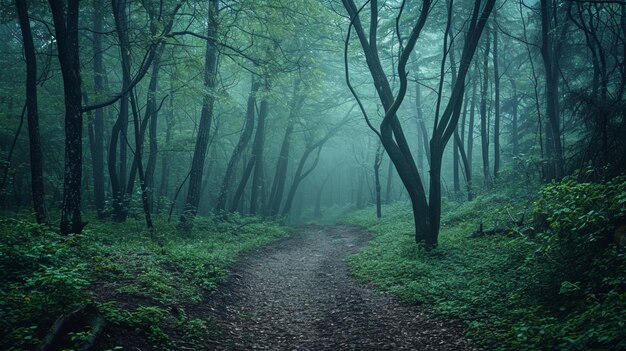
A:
(426, 213)
(36, 156)
(206, 117)
(378, 159)
(496, 91)
(484, 117)
(550, 54)
(65, 20)
(253, 162)
(244, 139)
(96, 125)
(280, 176)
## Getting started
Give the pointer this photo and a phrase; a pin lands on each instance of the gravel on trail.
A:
(297, 294)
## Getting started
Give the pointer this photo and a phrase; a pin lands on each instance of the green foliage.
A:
(129, 277)
(43, 276)
(578, 244)
(560, 289)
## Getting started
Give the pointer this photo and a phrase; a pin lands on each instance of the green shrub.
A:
(577, 250)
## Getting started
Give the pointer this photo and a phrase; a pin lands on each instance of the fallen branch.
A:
(75, 321)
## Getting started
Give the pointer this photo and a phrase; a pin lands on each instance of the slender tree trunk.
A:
(280, 176)
(377, 161)
(119, 138)
(257, 154)
(455, 146)
(152, 115)
(238, 196)
(66, 30)
(140, 171)
(360, 203)
(389, 188)
(317, 213)
(165, 157)
(96, 127)
(422, 135)
(470, 127)
(496, 122)
(300, 175)
(35, 148)
(7, 163)
(244, 139)
(553, 131)
(484, 131)
(206, 117)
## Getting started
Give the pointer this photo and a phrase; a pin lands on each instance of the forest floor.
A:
(298, 294)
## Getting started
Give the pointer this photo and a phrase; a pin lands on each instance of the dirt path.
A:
(298, 295)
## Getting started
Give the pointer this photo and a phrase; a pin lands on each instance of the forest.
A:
(313, 175)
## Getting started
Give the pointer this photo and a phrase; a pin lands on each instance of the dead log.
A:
(488, 232)
(84, 318)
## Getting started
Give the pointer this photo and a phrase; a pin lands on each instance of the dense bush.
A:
(577, 270)
(579, 243)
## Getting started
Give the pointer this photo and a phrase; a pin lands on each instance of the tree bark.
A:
(496, 90)
(470, 127)
(96, 127)
(244, 139)
(35, 148)
(119, 138)
(206, 117)
(553, 131)
(280, 176)
(257, 154)
(484, 131)
(152, 115)
(390, 131)
(66, 32)
(377, 161)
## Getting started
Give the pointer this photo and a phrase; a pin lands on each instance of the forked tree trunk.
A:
(390, 131)
(244, 139)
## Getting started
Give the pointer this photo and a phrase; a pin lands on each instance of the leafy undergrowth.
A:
(149, 294)
(562, 287)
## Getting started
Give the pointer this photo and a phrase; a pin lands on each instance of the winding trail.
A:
(297, 294)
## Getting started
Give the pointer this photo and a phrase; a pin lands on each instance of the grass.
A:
(491, 282)
(137, 284)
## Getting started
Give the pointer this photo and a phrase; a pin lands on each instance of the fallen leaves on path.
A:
(297, 294)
